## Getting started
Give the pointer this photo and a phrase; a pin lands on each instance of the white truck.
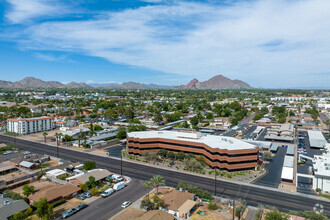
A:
(107, 192)
(119, 186)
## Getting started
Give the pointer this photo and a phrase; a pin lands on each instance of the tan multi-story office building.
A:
(221, 152)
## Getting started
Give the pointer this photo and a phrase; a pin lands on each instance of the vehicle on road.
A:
(81, 206)
(126, 204)
(68, 213)
(107, 192)
(27, 153)
(119, 186)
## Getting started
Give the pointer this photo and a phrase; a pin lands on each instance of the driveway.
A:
(304, 185)
(105, 208)
(115, 150)
(273, 177)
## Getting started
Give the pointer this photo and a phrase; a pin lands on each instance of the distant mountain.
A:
(31, 82)
(216, 82)
(135, 85)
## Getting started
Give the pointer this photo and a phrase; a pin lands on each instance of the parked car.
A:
(8, 152)
(117, 178)
(119, 186)
(81, 206)
(81, 196)
(87, 194)
(125, 204)
(68, 213)
(27, 153)
(107, 192)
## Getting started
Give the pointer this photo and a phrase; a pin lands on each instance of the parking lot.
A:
(304, 184)
(273, 177)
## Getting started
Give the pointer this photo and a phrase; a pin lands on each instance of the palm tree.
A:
(148, 184)
(85, 139)
(157, 181)
(45, 135)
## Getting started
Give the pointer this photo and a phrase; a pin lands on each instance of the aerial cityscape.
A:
(165, 110)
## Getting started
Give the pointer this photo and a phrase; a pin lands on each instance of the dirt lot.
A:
(128, 214)
(213, 214)
(14, 175)
(37, 186)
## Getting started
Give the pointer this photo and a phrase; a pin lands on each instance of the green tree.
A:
(83, 187)
(194, 121)
(212, 205)
(238, 210)
(157, 181)
(148, 184)
(45, 135)
(44, 210)
(170, 155)
(276, 215)
(28, 190)
(89, 165)
(94, 191)
(162, 152)
(18, 216)
(98, 128)
(91, 182)
(268, 155)
(158, 117)
(180, 155)
(121, 133)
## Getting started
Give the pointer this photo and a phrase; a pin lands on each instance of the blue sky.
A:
(269, 44)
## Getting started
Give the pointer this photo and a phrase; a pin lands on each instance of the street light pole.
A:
(215, 181)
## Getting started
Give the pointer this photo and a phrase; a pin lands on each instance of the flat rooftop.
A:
(213, 141)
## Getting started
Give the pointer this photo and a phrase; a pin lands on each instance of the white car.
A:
(27, 153)
(125, 204)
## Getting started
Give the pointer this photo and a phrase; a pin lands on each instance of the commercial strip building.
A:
(316, 139)
(24, 126)
(219, 152)
(284, 132)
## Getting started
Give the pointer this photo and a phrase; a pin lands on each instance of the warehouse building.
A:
(220, 152)
(316, 139)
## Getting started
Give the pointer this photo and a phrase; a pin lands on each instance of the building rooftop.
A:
(213, 141)
(9, 210)
(175, 199)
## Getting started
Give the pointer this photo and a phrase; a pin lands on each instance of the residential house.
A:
(98, 174)
(8, 207)
(54, 193)
(179, 203)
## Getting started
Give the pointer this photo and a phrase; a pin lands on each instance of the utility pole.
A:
(57, 153)
(233, 209)
(215, 181)
(121, 163)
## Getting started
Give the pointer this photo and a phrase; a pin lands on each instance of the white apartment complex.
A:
(29, 125)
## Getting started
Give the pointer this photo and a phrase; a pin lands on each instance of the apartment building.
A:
(29, 125)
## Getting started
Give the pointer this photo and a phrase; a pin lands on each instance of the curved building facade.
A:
(225, 153)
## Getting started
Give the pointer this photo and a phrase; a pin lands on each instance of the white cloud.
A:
(49, 57)
(262, 42)
(23, 11)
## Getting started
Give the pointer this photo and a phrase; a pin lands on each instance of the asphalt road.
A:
(255, 196)
(105, 208)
